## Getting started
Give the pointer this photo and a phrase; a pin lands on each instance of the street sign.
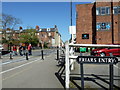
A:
(97, 59)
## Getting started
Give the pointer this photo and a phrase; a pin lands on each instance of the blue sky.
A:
(43, 14)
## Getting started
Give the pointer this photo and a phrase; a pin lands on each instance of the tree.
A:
(29, 36)
(8, 24)
(9, 21)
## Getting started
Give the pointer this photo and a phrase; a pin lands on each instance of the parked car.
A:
(106, 52)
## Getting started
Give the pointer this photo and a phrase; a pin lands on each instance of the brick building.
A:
(50, 36)
(98, 23)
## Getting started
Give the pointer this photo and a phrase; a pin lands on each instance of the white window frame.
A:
(118, 9)
(115, 7)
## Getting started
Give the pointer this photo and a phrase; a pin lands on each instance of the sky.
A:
(43, 14)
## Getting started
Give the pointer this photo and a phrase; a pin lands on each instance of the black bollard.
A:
(27, 56)
(57, 53)
(11, 55)
(0, 54)
(42, 54)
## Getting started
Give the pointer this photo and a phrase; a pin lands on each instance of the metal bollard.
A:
(0, 54)
(42, 54)
(57, 54)
(11, 55)
(27, 56)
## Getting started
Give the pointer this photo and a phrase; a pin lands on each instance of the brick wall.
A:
(86, 23)
(105, 37)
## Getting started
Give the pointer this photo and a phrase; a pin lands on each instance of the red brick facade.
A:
(84, 23)
(87, 20)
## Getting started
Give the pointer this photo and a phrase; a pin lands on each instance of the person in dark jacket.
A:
(24, 49)
(20, 50)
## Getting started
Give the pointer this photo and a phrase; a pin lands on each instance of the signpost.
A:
(97, 60)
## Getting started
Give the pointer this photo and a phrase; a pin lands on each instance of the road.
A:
(37, 73)
(34, 73)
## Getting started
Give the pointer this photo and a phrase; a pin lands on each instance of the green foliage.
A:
(29, 37)
(4, 40)
(46, 45)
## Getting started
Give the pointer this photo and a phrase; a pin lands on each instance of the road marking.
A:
(16, 74)
(12, 61)
(19, 66)
(7, 62)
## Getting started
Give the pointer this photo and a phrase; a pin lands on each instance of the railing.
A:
(69, 56)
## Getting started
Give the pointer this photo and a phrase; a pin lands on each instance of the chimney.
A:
(55, 26)
(37, 27)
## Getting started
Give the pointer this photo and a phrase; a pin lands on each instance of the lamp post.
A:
(71, 17)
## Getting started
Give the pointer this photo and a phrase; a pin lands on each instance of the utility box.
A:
(82, 49)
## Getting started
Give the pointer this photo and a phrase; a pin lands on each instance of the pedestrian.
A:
(24, 49)
(20, 50)
(15, 50)
(29, 49)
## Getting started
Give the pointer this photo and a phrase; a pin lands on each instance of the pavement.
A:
(98, 69)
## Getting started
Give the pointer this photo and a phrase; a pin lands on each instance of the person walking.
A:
(15, 50)
(24, 49)
(29, 49)
(20, 50)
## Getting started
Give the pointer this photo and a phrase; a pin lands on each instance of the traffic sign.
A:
(97, 59)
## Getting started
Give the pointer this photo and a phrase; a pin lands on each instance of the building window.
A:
(103, 26)
(49, 34)
(45, 36)
(107, 10)
(119, 10)
(98, 26)
(115, 10)
(76, 15)
(102, 10)
(98, 11)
